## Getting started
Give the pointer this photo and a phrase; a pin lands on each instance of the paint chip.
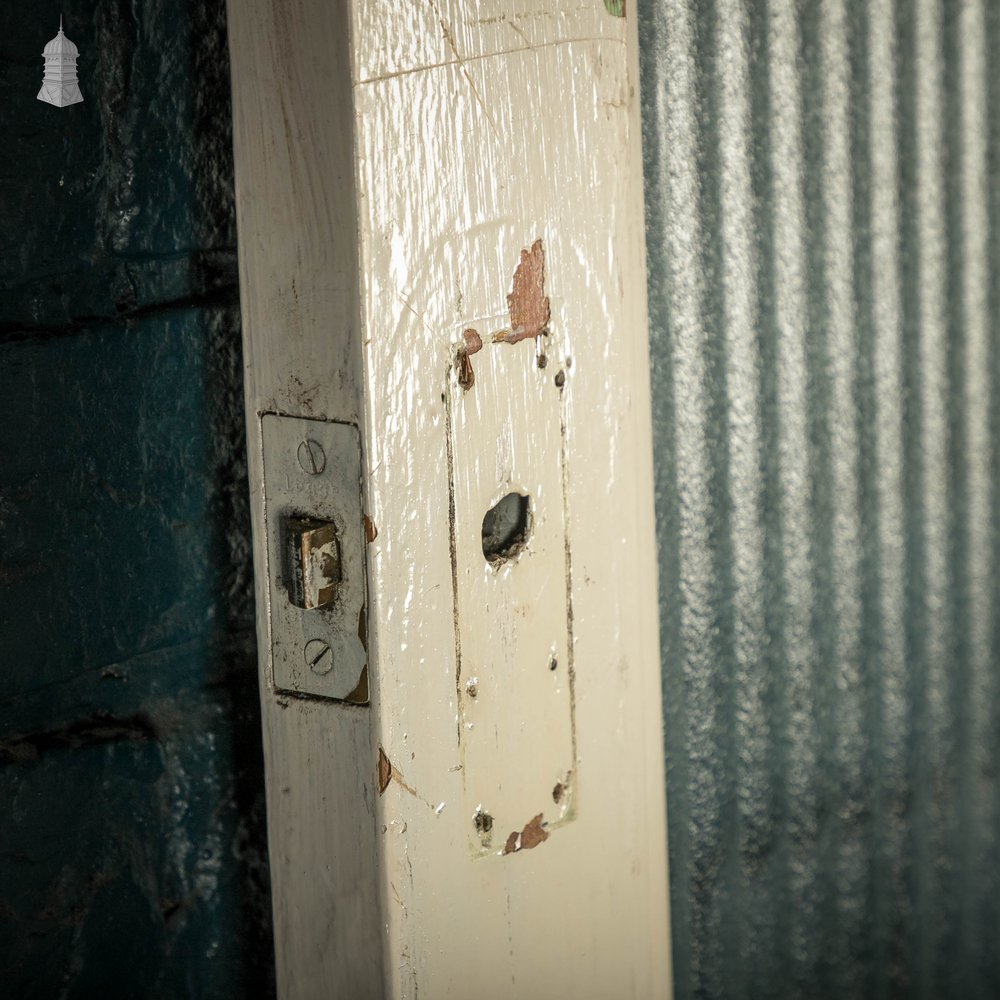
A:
(384, 771)
(531, 836)
(371, 532)
(527, 302)
(473, 343)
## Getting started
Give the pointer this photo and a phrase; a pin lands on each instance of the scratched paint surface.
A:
(459, 33)
(509, 148)
(477, 131)
(132, 855)
(823, 217)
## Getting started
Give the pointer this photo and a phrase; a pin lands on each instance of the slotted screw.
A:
(312, 458)
(318, 656)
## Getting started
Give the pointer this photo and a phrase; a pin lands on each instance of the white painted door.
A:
(443, 288)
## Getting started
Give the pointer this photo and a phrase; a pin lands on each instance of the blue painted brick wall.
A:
(132, 853)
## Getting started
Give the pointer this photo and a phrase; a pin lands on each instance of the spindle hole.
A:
(505, 528)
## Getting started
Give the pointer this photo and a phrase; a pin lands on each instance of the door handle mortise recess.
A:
(511, 574)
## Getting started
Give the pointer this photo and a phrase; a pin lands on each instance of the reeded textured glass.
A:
(823, 226)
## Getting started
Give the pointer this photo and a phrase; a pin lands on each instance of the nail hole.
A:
(542, 361)
(505, 528)
(557, 792)
(472, 688)
(483, 821)
(553, 663)
(560, 379)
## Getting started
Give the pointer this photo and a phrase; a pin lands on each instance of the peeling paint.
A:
(527, 302)
(473, 343)
(533, 834)
(371, 532)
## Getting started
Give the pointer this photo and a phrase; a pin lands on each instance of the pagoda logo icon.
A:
(59, 85)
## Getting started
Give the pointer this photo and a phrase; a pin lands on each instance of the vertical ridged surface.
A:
(823, 227)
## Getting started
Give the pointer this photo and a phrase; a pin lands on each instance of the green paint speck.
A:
(616, 7)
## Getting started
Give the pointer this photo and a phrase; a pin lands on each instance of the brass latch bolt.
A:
(313, 562)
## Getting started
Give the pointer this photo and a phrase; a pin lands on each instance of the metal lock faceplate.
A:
(315, 557)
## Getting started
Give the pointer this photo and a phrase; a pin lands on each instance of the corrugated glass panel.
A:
(823, 216)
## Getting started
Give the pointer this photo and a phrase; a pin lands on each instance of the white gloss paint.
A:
(392, 161)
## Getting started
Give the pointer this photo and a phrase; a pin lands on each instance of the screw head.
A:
(318, 656)
(312, 458)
